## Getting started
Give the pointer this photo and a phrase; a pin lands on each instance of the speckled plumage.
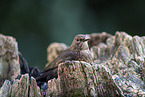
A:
(78, 50)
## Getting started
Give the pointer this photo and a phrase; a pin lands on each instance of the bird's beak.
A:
(87, 38)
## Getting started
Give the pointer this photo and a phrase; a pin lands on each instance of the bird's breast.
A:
(86, 55)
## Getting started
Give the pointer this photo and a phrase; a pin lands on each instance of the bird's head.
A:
(80, 42)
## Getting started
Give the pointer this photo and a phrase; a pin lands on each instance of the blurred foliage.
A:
(37, 23)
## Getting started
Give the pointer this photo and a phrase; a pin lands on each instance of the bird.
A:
(79, 50)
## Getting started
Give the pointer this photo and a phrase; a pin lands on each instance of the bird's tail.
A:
(47, 75)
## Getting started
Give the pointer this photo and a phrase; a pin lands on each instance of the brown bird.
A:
(78, 50)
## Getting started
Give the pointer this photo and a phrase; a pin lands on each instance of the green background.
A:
(37, 23)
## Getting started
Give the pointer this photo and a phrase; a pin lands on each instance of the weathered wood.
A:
(9, 60)
(118, 70)
(124, 56)
(54, 49)
(34, 89)
(20, 88)
(81, 79)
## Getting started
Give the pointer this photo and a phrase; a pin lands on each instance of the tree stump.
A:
(9, 59)
(118, 70)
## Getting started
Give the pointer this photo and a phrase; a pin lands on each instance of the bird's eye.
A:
(81, 39)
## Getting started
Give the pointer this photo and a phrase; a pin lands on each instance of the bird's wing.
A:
(66, 55)
(52, 65)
